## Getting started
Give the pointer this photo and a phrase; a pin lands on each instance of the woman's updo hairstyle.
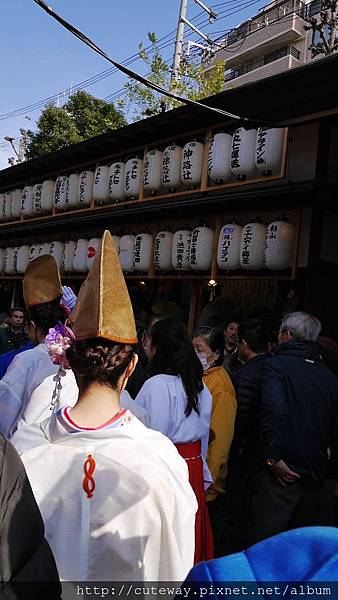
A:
(99, 360)
(47, 315)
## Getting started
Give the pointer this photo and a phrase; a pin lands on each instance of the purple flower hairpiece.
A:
(58, 340)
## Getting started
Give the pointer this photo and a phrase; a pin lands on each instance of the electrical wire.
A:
(107, 72)
(86, 40)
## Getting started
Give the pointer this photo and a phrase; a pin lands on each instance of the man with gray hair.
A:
(298, 429)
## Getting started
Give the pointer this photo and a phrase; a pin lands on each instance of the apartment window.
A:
(272, 56)
(314, 8)
(265, 60)
(294, 52)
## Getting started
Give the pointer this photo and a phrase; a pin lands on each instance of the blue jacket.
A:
(306, 554)
(299, 409)
(6, 359)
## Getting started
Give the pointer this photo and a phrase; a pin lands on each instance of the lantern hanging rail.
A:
(86, 40)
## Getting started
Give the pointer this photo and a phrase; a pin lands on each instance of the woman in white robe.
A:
(179, 406)
(115, 496)
(29, 370)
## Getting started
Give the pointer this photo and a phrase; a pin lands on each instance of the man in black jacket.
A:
(247, 455)
(252, 349)
(299, 414)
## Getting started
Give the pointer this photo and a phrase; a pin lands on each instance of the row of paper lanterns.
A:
(244, 155)
(251, 247)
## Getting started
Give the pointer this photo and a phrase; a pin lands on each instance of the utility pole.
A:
(182, 21)
(179, 42)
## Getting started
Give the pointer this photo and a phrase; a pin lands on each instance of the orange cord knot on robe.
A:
(89, 481)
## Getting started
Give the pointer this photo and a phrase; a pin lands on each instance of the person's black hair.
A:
(47, 315)
(233, 319)
(175, 355)
(99, 360)
(17, 308)
(214, 337)
(154, 317)
(253, 332)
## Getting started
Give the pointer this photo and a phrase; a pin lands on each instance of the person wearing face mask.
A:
(209, 347)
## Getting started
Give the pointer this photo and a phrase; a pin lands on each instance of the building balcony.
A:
(247, 75)
(277, 26)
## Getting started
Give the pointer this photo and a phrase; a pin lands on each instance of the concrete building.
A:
(271, 42)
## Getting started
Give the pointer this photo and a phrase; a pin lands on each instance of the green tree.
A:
(82, 117)
(193, 82)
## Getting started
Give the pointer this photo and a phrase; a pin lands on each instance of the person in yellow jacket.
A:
(209, 346)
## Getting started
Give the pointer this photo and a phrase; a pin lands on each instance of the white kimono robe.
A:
(164, 398)
(26, 373)
(139, 523)
(26, 391)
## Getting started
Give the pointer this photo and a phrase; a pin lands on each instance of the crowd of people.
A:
(150, 451)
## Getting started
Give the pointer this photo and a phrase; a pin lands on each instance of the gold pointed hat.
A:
(103, 308)
(41, 282)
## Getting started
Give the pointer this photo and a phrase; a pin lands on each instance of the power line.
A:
(88, 42)
(101, 75)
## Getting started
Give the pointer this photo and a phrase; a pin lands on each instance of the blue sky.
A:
(40, 58)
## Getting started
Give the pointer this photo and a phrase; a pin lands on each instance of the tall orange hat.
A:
(103, 308)
(41, 282)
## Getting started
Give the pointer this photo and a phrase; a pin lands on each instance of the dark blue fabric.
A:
(6, 359)
(307, 554)
(299, 408)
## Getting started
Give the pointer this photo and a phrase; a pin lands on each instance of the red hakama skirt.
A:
(204, 545)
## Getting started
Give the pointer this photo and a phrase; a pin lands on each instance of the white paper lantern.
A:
(36, 206)
(219, 157)
(163, 247)
(101, 184)
(116, 239)
(56, 250)
(171, 167)
(116, 181)
(7, 206)
(68, 256)
(23, 259)
(229, 244)
(80, 256)
(181, 250)
(93, 245)
(127, 243)
(86, 188)
(152, 171)
(47, 195)
(16, 203)
(269, 149)
(201, 248)
(60, 192)
(142, 251)
(73, 190)
(44, 248)
(252, 251)
(27, 200)
(34, 251)
(8, 261)
(192, 163)
(279, 245)
(2, 254)
(132, 177)
(243, 153)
